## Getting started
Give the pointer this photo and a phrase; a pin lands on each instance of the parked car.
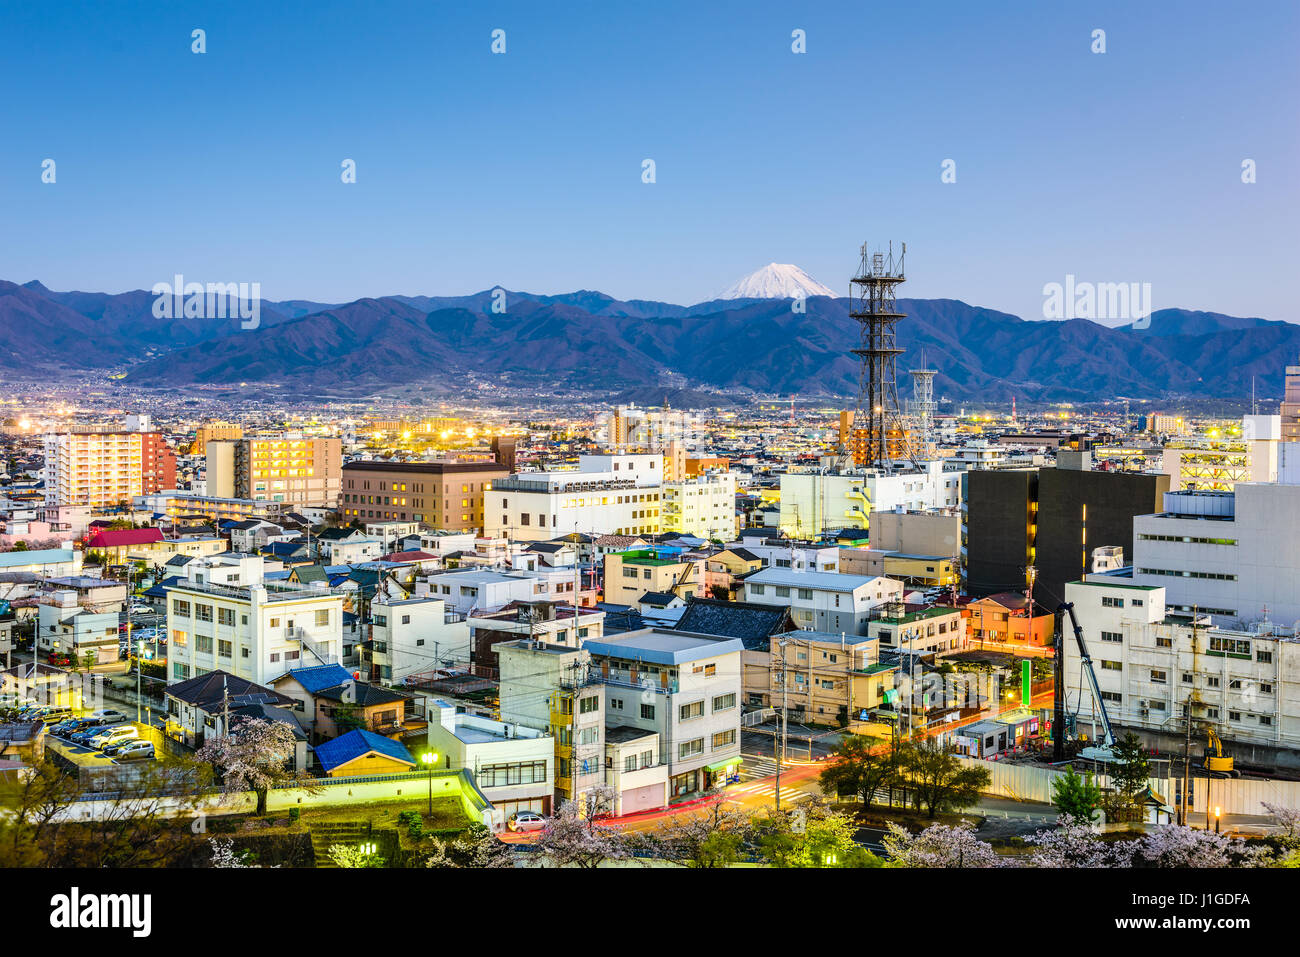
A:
(139, 609)
(83, 735)
(130, 750)
(526, 821)
(114, 735)
(108, 715)
(67, 726)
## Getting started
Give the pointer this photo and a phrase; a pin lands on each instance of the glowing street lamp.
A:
(430, 759)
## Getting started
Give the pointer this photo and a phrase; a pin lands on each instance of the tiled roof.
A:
(209, 690)
(753, 624)
(318, 678)
(117, 537)
(356, 744)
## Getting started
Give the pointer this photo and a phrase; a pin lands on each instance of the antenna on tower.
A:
(877, 435)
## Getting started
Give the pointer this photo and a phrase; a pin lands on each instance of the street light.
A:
(1217, 812)
(429, 759)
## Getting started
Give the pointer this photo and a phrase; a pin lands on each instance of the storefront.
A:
(723, 772)
(680, 785)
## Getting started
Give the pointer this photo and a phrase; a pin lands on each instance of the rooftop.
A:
(663, 646)
(832, 581)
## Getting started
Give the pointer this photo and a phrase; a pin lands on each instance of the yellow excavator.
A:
(1216, 762)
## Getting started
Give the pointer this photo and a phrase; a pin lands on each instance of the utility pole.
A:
(780, 749)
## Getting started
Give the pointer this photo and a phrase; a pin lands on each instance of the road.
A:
(757, 788)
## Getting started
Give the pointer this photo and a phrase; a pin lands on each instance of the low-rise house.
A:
(751, 624)
(360, 752)
(79, 618)
(477, 591)
(408, 636)
(1004, 622)
(635, 770)
(360, 705)
(629, 575)
(199, 708)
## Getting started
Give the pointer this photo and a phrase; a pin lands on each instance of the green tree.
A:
(89, 660)
(811, 836)
(863, 766)
(1076, 796)
(1130, 769)
(939, 780)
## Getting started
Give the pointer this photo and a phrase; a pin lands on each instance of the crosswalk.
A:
(767, 789)
(757, 768)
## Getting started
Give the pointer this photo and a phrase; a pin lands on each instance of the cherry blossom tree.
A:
(476, 847)
(254, 757)
(575, 838)
(1074, 844)
(1177, 846)
(939, 846)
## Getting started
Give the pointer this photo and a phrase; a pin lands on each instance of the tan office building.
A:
(443, 495)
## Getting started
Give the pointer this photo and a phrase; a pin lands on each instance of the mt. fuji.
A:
(777, 281)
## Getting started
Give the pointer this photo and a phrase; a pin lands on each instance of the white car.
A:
(141, 610)
(526, 821)
(111, 736)
(131, 750)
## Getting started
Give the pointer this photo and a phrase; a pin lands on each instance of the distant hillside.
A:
(589, 340)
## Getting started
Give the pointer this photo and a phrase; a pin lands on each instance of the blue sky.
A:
(524, 169)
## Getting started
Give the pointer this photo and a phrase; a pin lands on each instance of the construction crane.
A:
(1103, 753)
(1216, 762)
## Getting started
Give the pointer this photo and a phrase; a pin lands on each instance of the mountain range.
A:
(589, 340)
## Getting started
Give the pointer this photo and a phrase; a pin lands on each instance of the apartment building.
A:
(684, 687)
(441, 495)
(223, 615)
(552, 688)
(703, 506)
(407, 636)
(813, 503)
(937, 630)
(821, 678)
(1290, 408)
(1232, 555)
(927, 532)
(214, 432)
(1152, 667)
(822, 601)
(608, 495)
(102, 467)
(79, 617)
(292, 469)
(172, 504)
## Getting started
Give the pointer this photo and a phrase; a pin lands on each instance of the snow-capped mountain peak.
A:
(777, 281)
